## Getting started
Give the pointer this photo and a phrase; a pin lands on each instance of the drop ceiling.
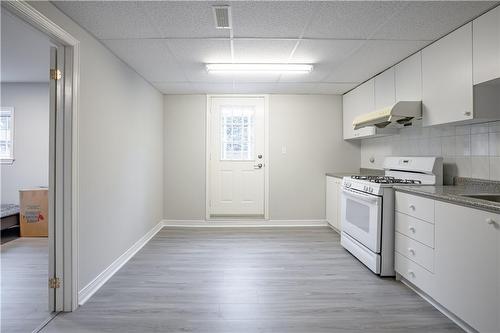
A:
(168, 42)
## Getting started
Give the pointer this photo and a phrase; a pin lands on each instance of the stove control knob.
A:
(371, 189)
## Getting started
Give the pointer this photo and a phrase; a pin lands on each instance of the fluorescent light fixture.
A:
(259, 68)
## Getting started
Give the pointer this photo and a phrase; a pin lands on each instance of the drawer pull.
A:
(412, 229)
(411, 273)
(412, 207)
(412, 251)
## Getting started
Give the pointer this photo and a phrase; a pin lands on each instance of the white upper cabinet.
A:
(447, 93)
(408, 79)
(385, 91)
(486, 41)
(356, 102)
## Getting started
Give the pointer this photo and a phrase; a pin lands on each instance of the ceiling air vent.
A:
(222, 15)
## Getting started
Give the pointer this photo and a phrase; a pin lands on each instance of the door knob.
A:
(258, 166)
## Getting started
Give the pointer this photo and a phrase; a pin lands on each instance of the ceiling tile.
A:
(429, 20)
(271, 18)
(351, 19)
(295, 88)
(173, 87)
(254, 88)
(262, 50)
(325, 55)
(372, 58)
(110, 19)
(334, 88)
(193, 54)
(149, 57)
(183, 18)
(212, 88)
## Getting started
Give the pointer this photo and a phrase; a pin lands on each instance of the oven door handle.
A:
(362, 196)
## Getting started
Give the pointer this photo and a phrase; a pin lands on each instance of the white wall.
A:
(309, 125)
(31, 138)
(121, 153)
(468, 150)
(184, 154)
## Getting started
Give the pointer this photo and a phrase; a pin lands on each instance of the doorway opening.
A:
(237, 157)
(38, 168)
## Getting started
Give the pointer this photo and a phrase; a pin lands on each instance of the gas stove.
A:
(407, 171)
(367, 208)
(387, 180)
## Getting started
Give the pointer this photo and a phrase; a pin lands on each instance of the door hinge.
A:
(54, 283)
(55, 74)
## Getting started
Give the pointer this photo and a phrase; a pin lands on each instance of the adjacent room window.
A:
(6, 135)
(237, 132)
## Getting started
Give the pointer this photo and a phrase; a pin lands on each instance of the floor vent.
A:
(222, 15)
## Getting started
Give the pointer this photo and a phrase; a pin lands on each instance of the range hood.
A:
(402, 113)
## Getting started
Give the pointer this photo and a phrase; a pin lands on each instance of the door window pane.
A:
(237, 132)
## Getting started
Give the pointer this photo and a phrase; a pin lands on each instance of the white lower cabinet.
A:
(333, 191)
(467, 264)
(461, 271)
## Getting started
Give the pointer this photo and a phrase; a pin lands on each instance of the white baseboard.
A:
(463, 325)
(243, 223)
(100, 280)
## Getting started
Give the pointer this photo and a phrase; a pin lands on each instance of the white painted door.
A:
(237, 156)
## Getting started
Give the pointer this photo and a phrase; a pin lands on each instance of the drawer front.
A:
(415, 229)
(415, 273)
(415, 251)
(421, 208)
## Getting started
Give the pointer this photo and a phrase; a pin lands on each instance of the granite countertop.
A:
(360, 172)
(455, 193)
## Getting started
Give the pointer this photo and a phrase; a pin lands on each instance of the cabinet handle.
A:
(412, 251)
(412, 229)
(411, 273)
(412, 207)
(467, 113)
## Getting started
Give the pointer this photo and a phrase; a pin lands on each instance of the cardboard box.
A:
(34, 212)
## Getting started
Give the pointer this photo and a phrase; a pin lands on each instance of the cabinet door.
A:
(467, 264)
(447, 78)
(408, 79)
(385, 91)
(486, 46)
(348, 114)
(356, 102)
(331, 202)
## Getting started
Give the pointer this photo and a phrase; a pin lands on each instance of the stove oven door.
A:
(362, 217)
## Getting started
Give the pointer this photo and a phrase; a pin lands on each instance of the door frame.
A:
(208, 150)
(65, 229)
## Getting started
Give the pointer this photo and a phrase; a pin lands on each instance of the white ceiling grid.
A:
(168, 42)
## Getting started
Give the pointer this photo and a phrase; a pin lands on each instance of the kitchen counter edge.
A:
(440, 193)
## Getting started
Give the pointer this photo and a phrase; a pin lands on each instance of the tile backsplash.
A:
(467, 150)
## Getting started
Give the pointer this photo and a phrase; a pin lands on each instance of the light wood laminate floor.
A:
(250, 280)
(24, 291)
